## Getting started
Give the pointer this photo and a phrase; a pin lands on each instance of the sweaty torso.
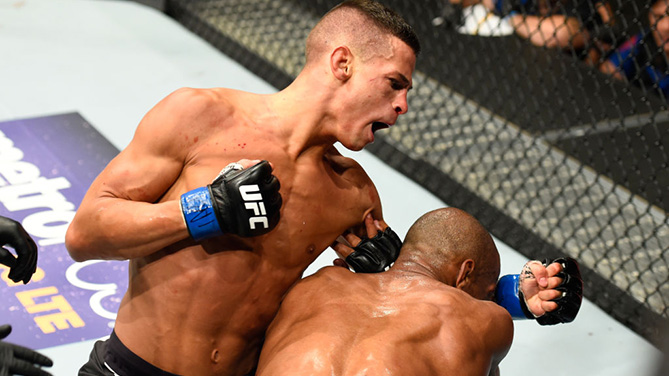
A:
(202, 309)
(339, 324)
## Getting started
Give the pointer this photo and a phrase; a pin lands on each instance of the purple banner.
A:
(46, 166)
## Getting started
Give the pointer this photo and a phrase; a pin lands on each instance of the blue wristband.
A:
(506, 295)
(199, 214)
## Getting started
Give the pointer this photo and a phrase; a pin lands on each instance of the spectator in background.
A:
(642, 59)
(563, 24)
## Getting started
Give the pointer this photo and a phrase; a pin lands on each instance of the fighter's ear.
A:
(466, 268)
(341, 63)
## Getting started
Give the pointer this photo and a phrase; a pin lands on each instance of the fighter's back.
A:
(340, 323)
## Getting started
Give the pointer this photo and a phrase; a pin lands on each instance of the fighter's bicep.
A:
(138, 176)
(500, 334)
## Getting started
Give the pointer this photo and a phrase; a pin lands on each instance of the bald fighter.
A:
(522, 295)
(430, 314)
(211, 255)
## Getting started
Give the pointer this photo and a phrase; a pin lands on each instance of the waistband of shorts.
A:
(126, 363)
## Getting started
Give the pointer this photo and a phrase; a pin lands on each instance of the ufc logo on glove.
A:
(249, 196)
(242, 202)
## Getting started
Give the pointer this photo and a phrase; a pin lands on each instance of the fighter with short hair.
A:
(201, 292)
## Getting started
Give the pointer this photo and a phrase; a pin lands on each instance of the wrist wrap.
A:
(507, 295)
(199, 214)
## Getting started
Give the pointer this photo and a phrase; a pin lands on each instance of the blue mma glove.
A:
(243, 202)
(509, 295)
(376, 254)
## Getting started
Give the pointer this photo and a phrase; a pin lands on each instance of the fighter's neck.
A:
(304, 118)
(417, 268)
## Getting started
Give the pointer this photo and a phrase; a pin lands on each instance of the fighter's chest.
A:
(324, 187)
(313, 184)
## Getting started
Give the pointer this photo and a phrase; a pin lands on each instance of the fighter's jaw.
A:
(371, 128)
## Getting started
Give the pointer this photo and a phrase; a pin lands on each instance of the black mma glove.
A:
(24, 265)
(375, 254)
(572, 293)
(19, 360)
(244, 202)
(509, 295)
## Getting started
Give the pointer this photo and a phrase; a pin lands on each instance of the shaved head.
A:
(448, 236)
(365, 26)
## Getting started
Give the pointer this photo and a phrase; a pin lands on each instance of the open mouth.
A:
(378, 125)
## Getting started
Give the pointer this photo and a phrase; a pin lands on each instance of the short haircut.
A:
(361, 23)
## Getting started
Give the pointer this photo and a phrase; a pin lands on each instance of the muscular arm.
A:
(120, 216)
(501, 336)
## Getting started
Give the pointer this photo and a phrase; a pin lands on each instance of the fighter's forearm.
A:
(118, 229)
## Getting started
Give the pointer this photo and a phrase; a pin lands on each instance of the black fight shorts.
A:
(112, 358)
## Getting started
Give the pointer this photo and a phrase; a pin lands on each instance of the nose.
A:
(401, 105)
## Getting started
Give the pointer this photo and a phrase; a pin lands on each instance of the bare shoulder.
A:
(359, 184)
(499, 324)
(498, 331)
(191, 104)
(474, 318)
(341, 162)
(329, 275)
(348, 168)
(322, 283)
(487, 315)
(496, 313)
(185, 114)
